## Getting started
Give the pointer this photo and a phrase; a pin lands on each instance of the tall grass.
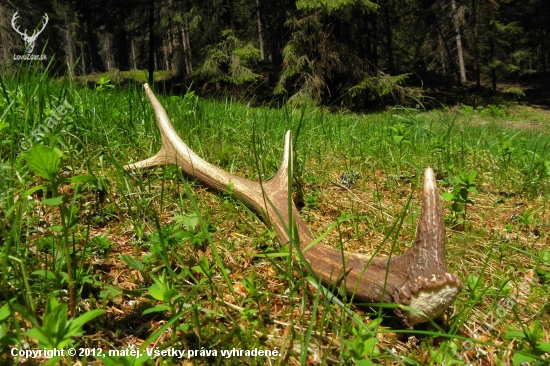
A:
(176, 266)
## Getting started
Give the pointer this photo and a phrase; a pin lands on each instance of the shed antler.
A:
(418, 278)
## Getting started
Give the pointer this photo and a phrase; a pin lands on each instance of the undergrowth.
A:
(170, 265)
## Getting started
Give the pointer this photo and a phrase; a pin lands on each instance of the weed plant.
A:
(171, 265)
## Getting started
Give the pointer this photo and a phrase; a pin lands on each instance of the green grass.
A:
(174, 265)
(117, 77)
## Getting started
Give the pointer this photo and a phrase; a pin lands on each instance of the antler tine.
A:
(418, 278)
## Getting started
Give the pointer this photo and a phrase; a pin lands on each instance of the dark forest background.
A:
(343, 52)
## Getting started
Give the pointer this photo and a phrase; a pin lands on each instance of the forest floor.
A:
(171, 265)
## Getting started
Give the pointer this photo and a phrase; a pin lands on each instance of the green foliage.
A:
(375, 87)
(446, 354)
(536, 171)
(400, 133)
(203, 267)
(56, 332)
(319, 67)
(543, 266)
(44, 161)
(180, 278)
(517, 92)
(495, 111)
(250, 285)
(163, 290)
(506, 149)
(330, 5)
(460, 196)
(132, 262)
(231, 61)
(530, 340)
(297, 65)
(362, 347)
(104, 84)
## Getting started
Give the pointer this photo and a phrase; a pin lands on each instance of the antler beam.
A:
(418, 278)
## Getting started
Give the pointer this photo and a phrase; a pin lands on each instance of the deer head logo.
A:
(29, 40)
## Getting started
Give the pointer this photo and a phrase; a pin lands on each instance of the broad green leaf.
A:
(30, 191)
(156, 292)
(44, 162)
(4, 312)
(132, 262)
(156, 309)
(54, 201)
(543, 346)
(44, 273)
(515, 334)
(76, 324)
(38, 335)
(473, 281)
(110, 291)
(83, 179)
(370, 347)
(520, 358)
(447, 196)
(364, 363)
(397, 139)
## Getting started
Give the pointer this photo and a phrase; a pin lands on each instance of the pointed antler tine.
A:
(166, 154)
(287, 162)
(430, 232)
(429, 287)
(432, 221)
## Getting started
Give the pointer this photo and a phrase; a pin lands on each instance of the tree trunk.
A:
(228, 17)
(188, 48)
(107, 52)
(260, 35)
(69, 48)
(442, 51)
(544, 53)
(165, 52)
(82, 58)
(151, 41)
(373, 45)
(5, 41)
(492, 57)
(461, 65)
(184, 44)
(476, 45)
(445, 47)
(170, 47)
(389, 39)
(134, 55)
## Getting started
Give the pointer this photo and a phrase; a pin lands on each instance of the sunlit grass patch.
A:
(142, 254)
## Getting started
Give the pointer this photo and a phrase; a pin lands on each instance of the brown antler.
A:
(418, 278)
